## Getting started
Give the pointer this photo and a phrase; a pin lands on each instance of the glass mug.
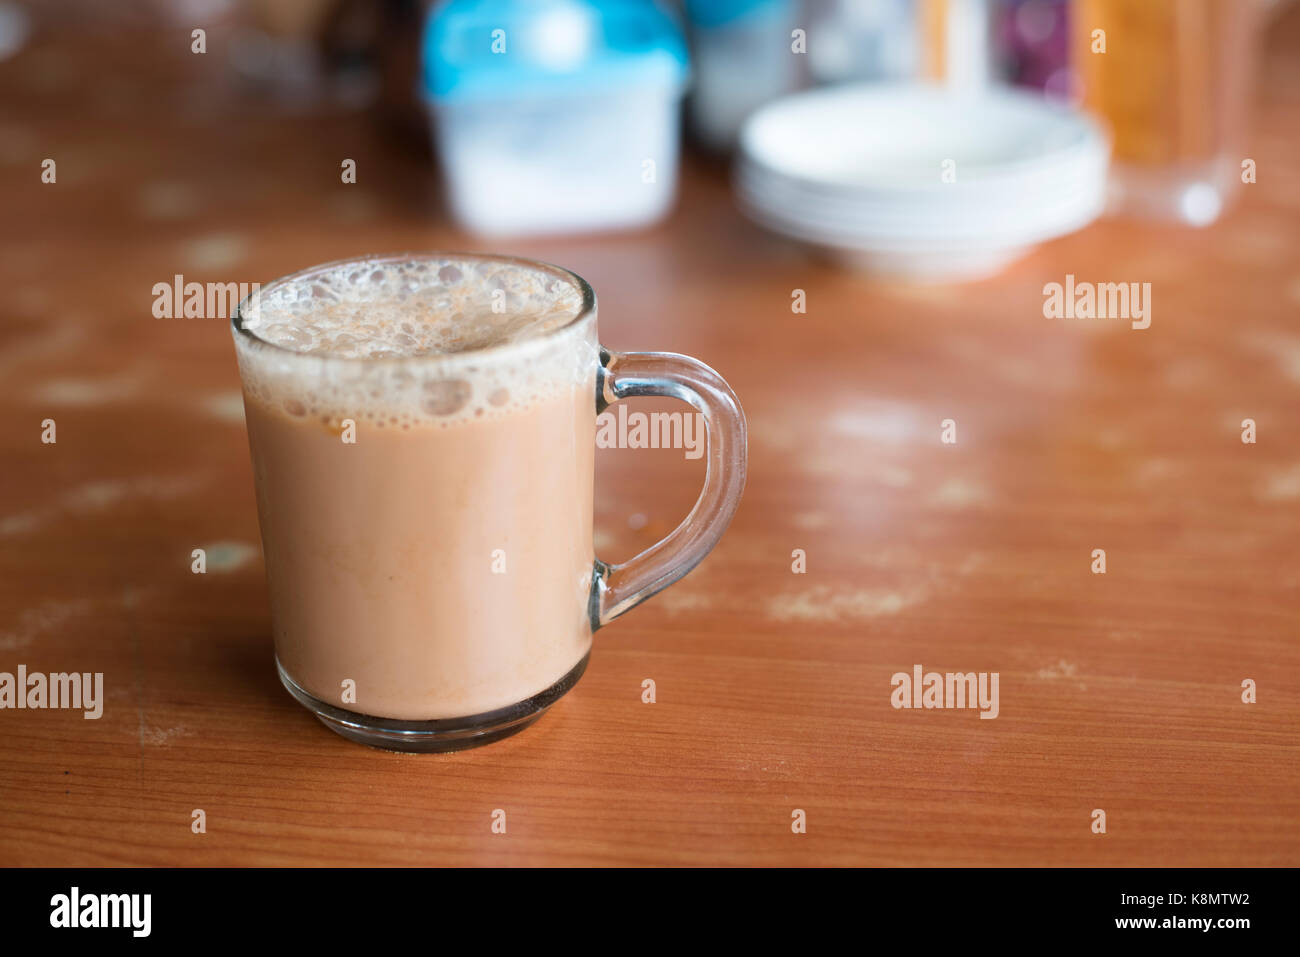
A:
(422, 430)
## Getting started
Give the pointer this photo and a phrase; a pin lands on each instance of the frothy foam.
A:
(376, 309)
(430, 320)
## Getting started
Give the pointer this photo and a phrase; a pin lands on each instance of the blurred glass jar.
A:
(743, 56)
(865, 40)
(1173, 83)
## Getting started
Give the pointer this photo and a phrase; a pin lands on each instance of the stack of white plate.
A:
(920, 181)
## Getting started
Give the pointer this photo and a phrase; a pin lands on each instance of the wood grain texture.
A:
(1118, 691)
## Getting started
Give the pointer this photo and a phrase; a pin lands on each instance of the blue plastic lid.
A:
(715, 13)
(512, 49)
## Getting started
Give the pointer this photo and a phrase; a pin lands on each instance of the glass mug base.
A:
(438, 735)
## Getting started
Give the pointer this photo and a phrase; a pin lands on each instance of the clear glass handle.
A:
(616, 588)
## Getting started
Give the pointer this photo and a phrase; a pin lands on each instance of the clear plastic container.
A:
(555, 116)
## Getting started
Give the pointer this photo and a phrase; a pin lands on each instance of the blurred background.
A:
(552, 116)
(851, 209)
(558, 117)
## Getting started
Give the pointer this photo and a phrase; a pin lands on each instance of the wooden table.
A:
(1120, 692)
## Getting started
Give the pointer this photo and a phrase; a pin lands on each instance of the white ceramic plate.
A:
(898, 136)
(1031, 210)
(858, 170)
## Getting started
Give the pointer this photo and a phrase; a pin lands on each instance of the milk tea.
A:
(423, 439)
